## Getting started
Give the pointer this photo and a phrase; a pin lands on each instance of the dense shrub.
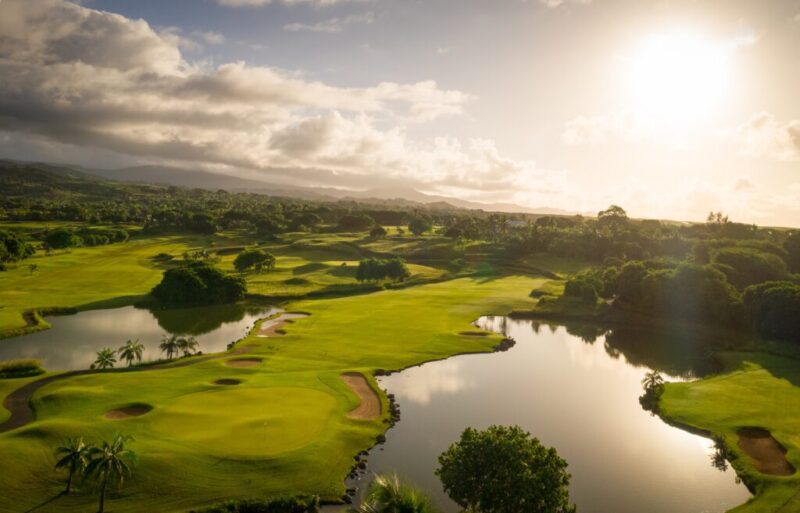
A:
(419, 225)
(375, 269)
(774, 309)
(504, 470)
(254, 259)
(355, 222)
(13, 248)
(747, 266)
(277, 505)
(20, 368)
(62, 238)
(198, 283)
(581, 288)
(378, 232)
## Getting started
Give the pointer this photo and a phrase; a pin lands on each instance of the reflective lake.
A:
(576, 390)
(74, 339)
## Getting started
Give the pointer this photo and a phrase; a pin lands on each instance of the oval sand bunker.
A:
(244, 362)
(768, 455)
(228, 382)
(134, 410)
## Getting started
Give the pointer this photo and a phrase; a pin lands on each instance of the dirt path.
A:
(370, 407)
(767, 453)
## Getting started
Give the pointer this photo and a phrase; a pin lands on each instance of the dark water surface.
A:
(74, 339)
(578, 391)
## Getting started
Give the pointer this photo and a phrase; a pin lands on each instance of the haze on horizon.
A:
(669, 108)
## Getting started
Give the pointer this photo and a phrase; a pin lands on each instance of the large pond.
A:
(576, 390)
(74, 340)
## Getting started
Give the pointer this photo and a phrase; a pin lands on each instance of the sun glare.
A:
(678, 78)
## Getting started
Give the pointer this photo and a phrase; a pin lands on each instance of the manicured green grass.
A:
(283, 430)
(84, 276)
(120, 274)
(762, 392)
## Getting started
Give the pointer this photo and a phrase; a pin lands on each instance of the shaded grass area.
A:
(761, 392)
(283, 430)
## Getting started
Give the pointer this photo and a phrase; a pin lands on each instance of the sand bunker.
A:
(272, 327)
(244, 362)
(228, 382)
(134, 410)
(474, 333)
(370, 407)
(768, 455)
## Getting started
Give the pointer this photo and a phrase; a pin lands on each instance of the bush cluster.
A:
(20, 368)
(375, 269)
(198, 283)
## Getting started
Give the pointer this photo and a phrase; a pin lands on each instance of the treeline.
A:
(736, 284)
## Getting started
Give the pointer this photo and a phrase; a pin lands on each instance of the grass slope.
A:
(763, 392)
(283, 430)
(83, 277)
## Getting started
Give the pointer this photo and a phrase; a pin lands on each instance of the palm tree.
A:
(132, 350)
(74, 457)
(108, 464)
(652, 381)
(388, 494)
(170, 345)
(188, 345)
(106, 358)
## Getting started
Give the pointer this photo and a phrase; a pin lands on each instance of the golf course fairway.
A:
(280, 427)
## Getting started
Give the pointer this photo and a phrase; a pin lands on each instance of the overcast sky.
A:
(669, 108)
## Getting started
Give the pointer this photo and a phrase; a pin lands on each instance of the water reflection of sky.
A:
(74, 339)
(572, 395)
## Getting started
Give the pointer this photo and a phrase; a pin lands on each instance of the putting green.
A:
(265, 422)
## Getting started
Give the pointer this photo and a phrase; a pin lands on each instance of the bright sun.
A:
(678, 78)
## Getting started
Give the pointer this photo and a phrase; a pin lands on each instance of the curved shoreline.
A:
(18, 402)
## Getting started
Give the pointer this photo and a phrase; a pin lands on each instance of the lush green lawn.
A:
(763, 392)
(283, 430)
(83, 276)
(119, 274)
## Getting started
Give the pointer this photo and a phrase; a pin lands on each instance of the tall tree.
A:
(170, 346)
(73, 456)
(109, 464)
(504, 470)
(188, 345)
(106, 358)
(132, 350)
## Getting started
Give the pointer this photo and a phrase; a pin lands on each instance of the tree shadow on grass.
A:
(39, 507)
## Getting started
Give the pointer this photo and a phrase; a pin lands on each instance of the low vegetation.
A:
(20, 368)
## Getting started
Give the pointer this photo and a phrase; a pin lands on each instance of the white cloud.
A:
(211, 38)
(78, 77)
(558, 3)
(618, 126)
(332, 25)
(258, 3)
(763, 135)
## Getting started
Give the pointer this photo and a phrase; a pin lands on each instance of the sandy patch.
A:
(228, 382)
(273, 327)
(244, 362)
(768, 455)
(370, 407)
(128, 412)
